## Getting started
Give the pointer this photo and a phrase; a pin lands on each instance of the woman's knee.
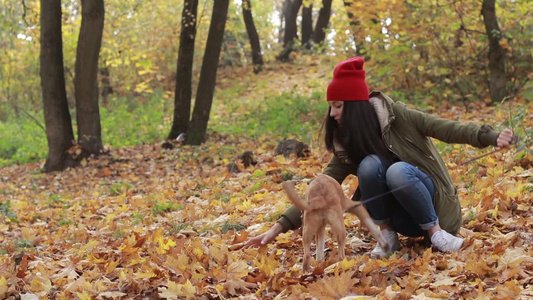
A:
(398, 174)
(369, 167)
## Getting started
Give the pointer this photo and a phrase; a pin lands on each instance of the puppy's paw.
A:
(384, 245)
(287, 185)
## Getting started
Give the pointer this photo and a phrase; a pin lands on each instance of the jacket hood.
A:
(383, 106)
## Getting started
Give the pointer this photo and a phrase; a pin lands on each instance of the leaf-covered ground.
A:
(149, 223)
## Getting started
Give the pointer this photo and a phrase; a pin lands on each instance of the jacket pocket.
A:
(420, 151)
(450, 194)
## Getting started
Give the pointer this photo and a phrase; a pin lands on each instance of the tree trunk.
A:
(291, 30)
(257, 57)
(183, 94)
(206, 85)
(497, 81)
(322, 22)
(56, 114)
(107, 89)
(307, 25)
(86, 77)
(283, 19)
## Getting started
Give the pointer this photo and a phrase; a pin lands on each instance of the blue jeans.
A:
(409, 210)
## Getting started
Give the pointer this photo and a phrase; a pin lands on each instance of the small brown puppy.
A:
(325, 204)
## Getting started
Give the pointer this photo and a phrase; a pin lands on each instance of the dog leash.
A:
(514, 140)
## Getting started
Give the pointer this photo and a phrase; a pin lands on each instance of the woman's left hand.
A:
(505, 138)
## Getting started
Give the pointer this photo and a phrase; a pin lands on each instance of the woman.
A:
(388, 147)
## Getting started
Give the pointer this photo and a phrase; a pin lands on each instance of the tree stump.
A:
(288, 146)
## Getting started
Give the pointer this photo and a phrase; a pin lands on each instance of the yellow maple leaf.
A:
(95, 260)
(188, 290)
(173, 290)
(477, 266)
(268, 265)
(128, 244)
(87, 247)
(84, 295)
(342, 265)
(198, 252)
(111, 266)
(110, 217)
(146, 273)
(18, 205)
(237, 269)
(495, 212)
(346, 264)
(3, 287)
(40, 284)
(515, 192)
(509, 290)
(123, 276)
(246, 205)
(135, 261)
(261, 196)
(333, 287)
(162, 245)
(218, 253)
(280, 159)
(123, 208)
(181, 263)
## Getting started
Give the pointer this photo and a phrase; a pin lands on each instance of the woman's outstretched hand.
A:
(265, 237)
(505, 138)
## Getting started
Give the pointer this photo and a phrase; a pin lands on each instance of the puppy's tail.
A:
(300, 203)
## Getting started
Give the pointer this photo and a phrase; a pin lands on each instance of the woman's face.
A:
(336, 110)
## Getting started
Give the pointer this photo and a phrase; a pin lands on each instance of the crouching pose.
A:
(388, 147)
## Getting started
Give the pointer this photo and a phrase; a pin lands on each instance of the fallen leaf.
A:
(333, 287)
(238, 286)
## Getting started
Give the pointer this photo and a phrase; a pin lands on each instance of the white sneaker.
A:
(446, 242)
(394, 244)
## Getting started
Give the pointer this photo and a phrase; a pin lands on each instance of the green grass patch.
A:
(160, 208)
(177, 228)
(57, 200)
(288, 114)
(125, 122)
(128, 122)
(23, 141)
(23, 245)
(224, 197)
(137, 218)
(5, 209)
(228, 226)
(119, 188)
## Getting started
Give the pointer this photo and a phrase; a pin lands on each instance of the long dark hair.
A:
(359, 134)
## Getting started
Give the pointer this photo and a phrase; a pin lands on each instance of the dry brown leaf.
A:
(126, 224)
(333, 287)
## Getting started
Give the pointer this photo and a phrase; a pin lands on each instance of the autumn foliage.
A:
(148, 223)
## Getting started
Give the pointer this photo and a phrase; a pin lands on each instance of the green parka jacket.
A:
(407, 133)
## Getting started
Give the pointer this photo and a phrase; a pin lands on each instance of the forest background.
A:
(435, 56)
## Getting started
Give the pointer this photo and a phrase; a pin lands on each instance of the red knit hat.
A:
(348, 83)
